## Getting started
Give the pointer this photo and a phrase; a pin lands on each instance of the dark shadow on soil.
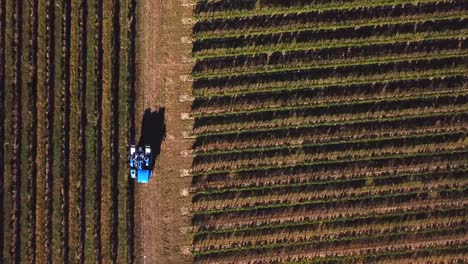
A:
(153, 131)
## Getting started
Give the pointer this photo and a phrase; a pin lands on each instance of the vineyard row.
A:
(255, 121)
(324, 38)
(292, 7)
(452, 141)
(328, 57)
(457, 231)
(207, 28)
(328, 75)
(377, 218)
(327, 184)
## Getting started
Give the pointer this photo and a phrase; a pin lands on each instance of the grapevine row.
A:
(340, 114)
(394, 58)
(324, 94)
(318, 6)
(324, 37)
(308, 135)
(264, 222)
(82, 145)
(327, 75)
(16, 87)
(337, 56)
(98, 83)
(58, 229)
(123, 132)
(331, 152)
(321, 209)
(49, 125)
(403, 20)
(114, 129)
(389, 197)
(272, 228)
(32, 128)
(304, 195)
(319, 234)
(320, 167)
(436, 253)
(131, 35)
(327, 145)
(327, 95)
(91, 249)
(422, 250)
(356, 16)
(380, 239)
(351, 176)
(352, 79)
(323, 185)
(65, 128)
(216, 6)
(333, 145)
(3, 82)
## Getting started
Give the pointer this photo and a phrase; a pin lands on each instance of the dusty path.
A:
(160, 65)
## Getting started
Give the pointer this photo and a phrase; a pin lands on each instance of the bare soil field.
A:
(160, 63)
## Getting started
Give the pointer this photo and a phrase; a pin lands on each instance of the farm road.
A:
(160, 65)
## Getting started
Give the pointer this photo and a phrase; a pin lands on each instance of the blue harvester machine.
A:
(140, 163)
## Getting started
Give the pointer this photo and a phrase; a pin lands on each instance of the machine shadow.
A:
(153, 131)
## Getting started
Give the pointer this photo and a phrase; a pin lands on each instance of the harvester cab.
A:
(140, 163)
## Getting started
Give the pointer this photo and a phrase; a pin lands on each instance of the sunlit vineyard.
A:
(330, 131)
(66, 74)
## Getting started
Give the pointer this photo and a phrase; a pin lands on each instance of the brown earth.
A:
(161, 65)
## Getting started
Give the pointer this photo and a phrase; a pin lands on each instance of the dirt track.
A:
(160, 65)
